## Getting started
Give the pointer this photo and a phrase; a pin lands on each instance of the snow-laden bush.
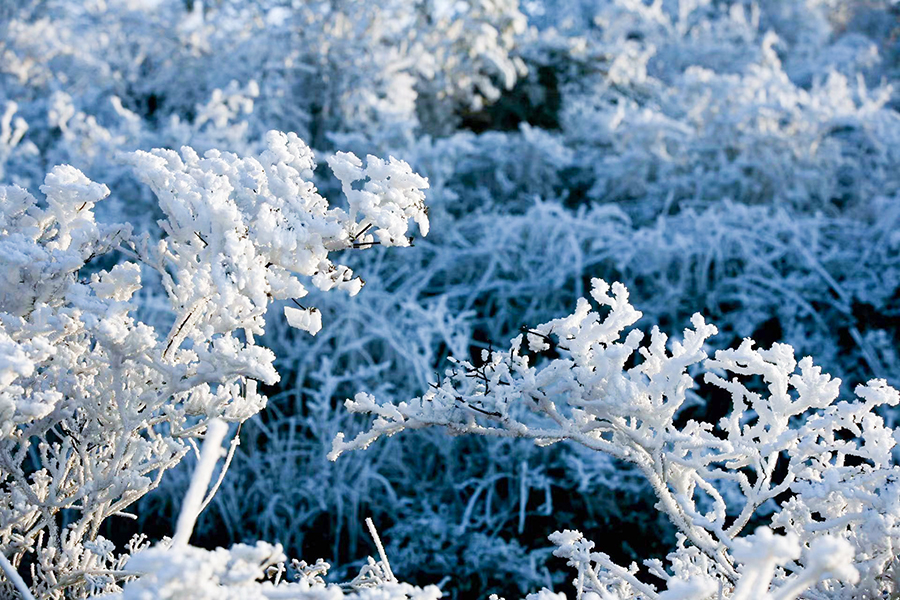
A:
(95, 404)
(143, 74)
(591, 380)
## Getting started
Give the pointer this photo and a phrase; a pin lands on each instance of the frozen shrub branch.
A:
(611, 393)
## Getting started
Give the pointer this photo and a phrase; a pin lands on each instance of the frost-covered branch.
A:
(587, 378)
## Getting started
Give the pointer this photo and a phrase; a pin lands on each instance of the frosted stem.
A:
(193, 500)
(15, 578)
(381, 552)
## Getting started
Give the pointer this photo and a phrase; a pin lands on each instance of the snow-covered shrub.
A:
(95, 404)
(583, 379)
(319, 67)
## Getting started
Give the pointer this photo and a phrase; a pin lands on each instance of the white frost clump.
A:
(587, 378)
(18, 404)
(307, 319)
(245, 227)
(391, 194)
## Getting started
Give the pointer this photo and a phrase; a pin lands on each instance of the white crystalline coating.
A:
(766, 547)
(21, 403)
(240, 573)
(695, 588)
(309, 319)
(14, 362)
(834, 556)
(192, 504)
(119, 284)
(71, 195)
